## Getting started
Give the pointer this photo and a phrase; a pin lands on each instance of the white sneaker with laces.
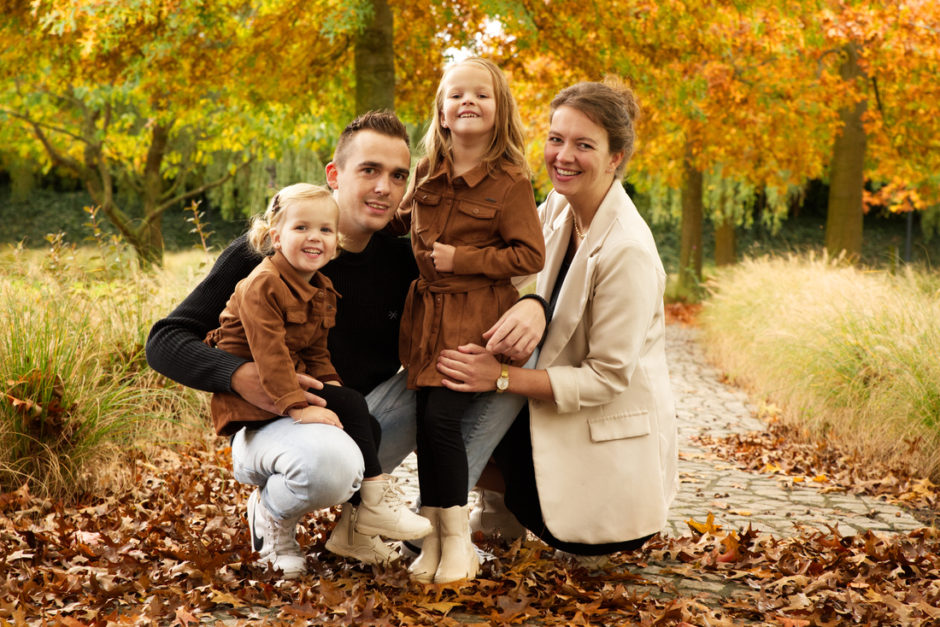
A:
(383, 512)
(275, 540)
(348, 542)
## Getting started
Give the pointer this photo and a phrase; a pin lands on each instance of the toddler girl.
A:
(473, 226)
(279, 316)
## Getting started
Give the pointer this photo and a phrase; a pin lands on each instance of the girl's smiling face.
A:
(306, 235)
(468, 105)
(578, 156)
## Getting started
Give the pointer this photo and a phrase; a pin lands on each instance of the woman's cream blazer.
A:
(605, 450)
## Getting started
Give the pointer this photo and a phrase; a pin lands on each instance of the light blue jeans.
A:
(304, 467)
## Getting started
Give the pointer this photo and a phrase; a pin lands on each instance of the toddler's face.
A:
(306, 235)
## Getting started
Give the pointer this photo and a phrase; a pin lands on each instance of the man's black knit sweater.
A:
(363, 344)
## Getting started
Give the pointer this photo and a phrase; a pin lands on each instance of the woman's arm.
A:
(626, 294)
(472, 369)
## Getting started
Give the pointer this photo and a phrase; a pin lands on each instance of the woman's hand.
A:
(518, 331)
(246, 382)
(443, 257)
(470, 368)
(313, 414)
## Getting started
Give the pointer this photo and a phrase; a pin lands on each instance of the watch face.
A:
(502, 383)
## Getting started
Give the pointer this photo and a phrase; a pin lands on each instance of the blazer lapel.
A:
(572, 299)
(556, 235)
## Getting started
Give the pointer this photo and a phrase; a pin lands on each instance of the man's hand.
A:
(518, 331)
(247, 383)
(313, 414)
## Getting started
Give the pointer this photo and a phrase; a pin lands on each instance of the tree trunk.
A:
(690, 244)
(374, 61)
(149, 240)
(846, 178)
(726, 252)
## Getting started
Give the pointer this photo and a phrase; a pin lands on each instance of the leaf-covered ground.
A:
(174, 551)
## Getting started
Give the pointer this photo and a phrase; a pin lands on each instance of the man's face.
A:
(370, 183)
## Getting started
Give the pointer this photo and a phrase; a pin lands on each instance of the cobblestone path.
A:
(737, 498)
(706, 406)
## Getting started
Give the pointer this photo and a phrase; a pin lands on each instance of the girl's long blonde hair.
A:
(508, 142)
(259, 236)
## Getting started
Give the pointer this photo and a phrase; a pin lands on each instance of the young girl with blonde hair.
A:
(279, 317)
(474, 227)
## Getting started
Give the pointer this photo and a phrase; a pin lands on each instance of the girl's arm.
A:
(519, 227)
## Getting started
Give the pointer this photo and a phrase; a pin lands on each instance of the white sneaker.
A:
(348, 542)
(383, 512)
(490, 516)
(275, 540)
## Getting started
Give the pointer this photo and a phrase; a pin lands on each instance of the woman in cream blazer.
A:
(591, 467)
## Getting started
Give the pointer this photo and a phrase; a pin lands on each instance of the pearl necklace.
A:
(577, 231)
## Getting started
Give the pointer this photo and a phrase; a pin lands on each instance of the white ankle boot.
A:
(490, 516)
(275, 540)
(458, 558)
(348, 542)
(425, 565)
(383, 512)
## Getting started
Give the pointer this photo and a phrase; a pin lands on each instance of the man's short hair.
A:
(383, 121)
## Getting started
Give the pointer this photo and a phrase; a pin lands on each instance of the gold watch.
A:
(502, 383)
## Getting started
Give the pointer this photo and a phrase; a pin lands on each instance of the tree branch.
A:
(35, 124)
(160, 209)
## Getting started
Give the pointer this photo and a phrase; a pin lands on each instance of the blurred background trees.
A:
(748, 108)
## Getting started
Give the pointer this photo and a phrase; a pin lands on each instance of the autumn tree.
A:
(888, 57)
(147, 98)
(715, 83)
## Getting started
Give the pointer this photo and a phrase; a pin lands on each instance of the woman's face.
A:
(577, 156)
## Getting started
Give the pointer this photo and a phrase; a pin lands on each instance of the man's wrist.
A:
(545, 310)
(541, 301)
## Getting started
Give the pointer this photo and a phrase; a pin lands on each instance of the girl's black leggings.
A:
(442, 457)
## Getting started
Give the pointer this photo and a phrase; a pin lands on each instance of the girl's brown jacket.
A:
(491, 219)
(280, 321)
